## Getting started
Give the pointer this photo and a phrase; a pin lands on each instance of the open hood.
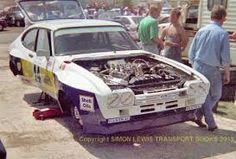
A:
(40, 10)
(140, 73)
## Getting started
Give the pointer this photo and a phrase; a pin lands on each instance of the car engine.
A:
(141, 74)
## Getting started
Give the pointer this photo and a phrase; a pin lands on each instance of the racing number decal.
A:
(37, 73)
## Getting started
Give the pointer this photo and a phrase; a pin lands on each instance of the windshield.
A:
(39, 10)
(137, 19)
(92, 40)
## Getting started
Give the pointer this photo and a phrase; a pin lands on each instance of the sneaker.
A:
(212, 129)
(200, 123)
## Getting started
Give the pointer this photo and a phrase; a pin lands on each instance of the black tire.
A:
(12, 22)
(69, 108)
(13, 68)
(1, 27)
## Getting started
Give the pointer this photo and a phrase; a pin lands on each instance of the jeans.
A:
(173, 53)
(214, 76)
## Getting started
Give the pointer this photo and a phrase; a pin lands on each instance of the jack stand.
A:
(44, 100)
(235, 98)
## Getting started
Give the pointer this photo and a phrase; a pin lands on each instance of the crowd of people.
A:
(209, 52)
(97, 9)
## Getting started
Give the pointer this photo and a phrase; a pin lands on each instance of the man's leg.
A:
(198, 120)
(199, 114)
(215, 79)
(213, 97)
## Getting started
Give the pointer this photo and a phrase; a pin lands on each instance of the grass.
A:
(227, 109)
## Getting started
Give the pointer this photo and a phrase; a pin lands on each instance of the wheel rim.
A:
(77, 115)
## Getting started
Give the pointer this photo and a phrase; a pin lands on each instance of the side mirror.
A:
(127, 26)
(42, 52)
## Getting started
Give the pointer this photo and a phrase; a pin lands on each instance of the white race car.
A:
(97, 73)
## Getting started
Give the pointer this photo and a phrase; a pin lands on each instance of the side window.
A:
(121, 41)
(43, 43)
(100, 40)
(29, 39)
(211, 3)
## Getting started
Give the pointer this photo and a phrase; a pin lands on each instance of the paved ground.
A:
(26, 138)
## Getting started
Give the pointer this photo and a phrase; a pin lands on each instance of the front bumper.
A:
(94, 125)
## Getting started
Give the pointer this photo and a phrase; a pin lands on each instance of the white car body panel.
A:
(65, 73)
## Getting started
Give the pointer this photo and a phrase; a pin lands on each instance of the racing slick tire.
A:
(69, 108)
(13, 68)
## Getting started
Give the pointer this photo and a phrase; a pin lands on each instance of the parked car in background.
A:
(165, 11)
(130, 23)
(3, 24)
(191, 18)
(118, 10)
(14, 17)
(91, 13)
(108, 15)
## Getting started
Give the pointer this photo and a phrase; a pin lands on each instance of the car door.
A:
(44, 63)
(26, 63)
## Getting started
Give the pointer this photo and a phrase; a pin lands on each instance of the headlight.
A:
(197, 88)
(121, 98)
(127, 98)
(113, 99)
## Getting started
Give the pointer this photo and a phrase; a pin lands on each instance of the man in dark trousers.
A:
(209, 52)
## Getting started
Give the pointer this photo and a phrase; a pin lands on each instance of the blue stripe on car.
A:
(74, 95)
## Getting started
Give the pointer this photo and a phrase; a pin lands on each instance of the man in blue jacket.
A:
(210, 51)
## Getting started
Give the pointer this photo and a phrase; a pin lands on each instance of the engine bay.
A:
(141, 73)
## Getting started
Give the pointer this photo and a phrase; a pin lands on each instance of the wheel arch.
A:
(13, 68)
(64, 101)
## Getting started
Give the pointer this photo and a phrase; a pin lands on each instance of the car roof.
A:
(72, 23)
